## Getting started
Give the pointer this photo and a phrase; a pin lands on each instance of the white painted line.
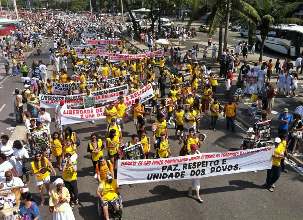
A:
(2, 107)
(237, 124)
(5, 78)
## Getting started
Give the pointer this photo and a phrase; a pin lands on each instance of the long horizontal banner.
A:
(97, 42)
(72, 115)
(118, 57)
(104, 95)
(63, 88)
(194, 166)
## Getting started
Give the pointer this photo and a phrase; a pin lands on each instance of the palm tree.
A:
(273, 12)
(221, 12)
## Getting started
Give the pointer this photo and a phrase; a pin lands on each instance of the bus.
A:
(284, 39)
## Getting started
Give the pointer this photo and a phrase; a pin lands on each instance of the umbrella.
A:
(299, 110)
(162, 42)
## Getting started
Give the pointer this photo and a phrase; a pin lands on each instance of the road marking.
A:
(5, 78)
(2, 107)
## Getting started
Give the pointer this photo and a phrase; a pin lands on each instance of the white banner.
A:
(194, 166)
(63, 88)
(104, 95)
(71, 115)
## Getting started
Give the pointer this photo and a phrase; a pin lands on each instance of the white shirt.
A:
(15, 182)
(298, 61)
(5, 166)
(45, 119)
(20, 154)
(5, 149)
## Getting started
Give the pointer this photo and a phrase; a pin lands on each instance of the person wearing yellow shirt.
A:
(95, 148)
(174, 93)
(213, 82)
(195, 83)
(190, 100)
(121, 111)
(113, 146)
(144, 139)
(104, 167)
(114, 126)
(57, 149)
(105, 71)
(230, 111)
(162, 63)
(192, 117)
(69, 147)
(138, 110)
(215, 109)
(70, 175)
(49, 86)
(274, 173)
(179, 120)
(164, 150)
(206, 98)
(41, 168)
(63, 77)
(107, 191)
(192, 139)
(160, 127)
(110, 112)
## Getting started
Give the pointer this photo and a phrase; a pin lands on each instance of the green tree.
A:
(274, 12)
(221, 13)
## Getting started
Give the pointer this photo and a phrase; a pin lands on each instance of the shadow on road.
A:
(163, 193)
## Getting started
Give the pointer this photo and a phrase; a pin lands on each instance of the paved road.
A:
(226, 197)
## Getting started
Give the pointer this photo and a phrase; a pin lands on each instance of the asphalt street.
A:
(238, 196)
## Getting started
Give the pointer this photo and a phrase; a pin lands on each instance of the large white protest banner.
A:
(194, 166)
(73, 115)
(104, 95)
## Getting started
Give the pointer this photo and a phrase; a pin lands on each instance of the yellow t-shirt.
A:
(113, 145)
(105, 71)
(116, 128)
(69, 173)
(192, 117)
(161, 127)
(190, 101)
(214, 109)
(96, 156)
(279, 151)
(121, 110)
(180, 117)
(40, 172)
(71, 149)
(192, 141)
(110, 113)
(145, 144)
(164, 149)
(109, 190)
(56, 147)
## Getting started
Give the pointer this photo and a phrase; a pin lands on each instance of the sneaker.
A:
(77, 202)
(271, 189)
(273, 186)
(200, 200)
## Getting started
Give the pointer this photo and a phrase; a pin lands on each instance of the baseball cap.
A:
(277, 140)
(285, 110)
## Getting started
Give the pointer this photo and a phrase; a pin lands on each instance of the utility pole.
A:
(122, 13)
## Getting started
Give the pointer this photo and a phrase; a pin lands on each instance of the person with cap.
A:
(107, 191)
(274, 173)
(59, 202)
(285, 120)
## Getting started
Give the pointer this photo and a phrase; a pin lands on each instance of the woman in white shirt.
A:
(5, 165)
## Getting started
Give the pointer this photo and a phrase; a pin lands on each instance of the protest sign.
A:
(103, 41)
(88, 114)
(104, 95)
(194, 166)
(63, 88)
(133, 152)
